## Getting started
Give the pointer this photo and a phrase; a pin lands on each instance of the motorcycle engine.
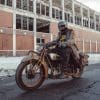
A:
(54, 56)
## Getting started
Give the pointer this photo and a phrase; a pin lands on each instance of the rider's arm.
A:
(54, 42)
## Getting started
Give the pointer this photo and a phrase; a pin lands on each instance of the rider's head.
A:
(62, 25)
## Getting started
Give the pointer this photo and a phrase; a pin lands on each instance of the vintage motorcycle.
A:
(38, 66)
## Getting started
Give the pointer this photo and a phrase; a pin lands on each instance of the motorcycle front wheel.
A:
(29, 76)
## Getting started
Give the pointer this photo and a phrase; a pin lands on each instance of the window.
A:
(2, 2)
(85, 23)
(38, 40)
(31, 24)
(71, 19)
(9, 2)
(42, 41)
(31, 5)
(61, 15)
(18, 22)
(47, 11)
(91, 24)
(68, 17)
(57, 14)
(38, 8)
(18, 4)
(24, 23)
(42, 9)
(24, 4)
(97, 27)
(53, 13)
(78, 20)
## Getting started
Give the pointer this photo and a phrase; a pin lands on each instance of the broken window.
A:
(31, 5)
(42, 9)
(53, 13)
(78, 20)
(38, 40)
(24, 4)
(38, 8)
(91, 24)
(18, 4)
(47, 11)
(24, 22)
(9, 2)
(30, 24)
(2, 2)
(85, 22)
(42, 40)
(18, 21)
(43, 26)
(57, 14)
(61, 15)
(68, 17)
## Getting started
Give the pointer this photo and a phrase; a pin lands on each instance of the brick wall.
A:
(6, 19)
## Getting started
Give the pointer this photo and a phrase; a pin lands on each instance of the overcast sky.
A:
(94, 4)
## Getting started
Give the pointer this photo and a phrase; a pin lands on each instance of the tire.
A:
(19, 81)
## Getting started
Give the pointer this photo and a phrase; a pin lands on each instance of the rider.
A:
(66, 39)
(66, 42)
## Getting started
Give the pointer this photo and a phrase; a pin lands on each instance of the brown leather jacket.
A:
(66, 37)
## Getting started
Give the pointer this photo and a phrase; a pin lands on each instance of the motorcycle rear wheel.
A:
(20, 82)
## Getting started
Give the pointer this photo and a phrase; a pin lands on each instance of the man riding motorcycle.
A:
(67, 46)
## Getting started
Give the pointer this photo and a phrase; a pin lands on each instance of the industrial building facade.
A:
(24, 24)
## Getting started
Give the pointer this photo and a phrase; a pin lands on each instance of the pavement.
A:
(85, 88)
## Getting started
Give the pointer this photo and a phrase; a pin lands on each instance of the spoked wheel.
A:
(29, 76)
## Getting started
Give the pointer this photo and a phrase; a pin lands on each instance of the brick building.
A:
(24, 24)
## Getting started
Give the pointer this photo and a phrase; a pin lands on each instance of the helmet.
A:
(62, 25)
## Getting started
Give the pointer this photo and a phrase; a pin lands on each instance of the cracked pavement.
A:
(85, 88)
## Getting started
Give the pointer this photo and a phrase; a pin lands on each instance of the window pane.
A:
(24, 4)
(31, 5)
(42, 40)
(60, 14)
(47, 11)
(42, 9)
(53, 13)
(18, 4)
(2, 1)
(9, 2)
(31, 24)
(71, 19)
(18, 22)
(25, 23)
(38, 40)
(57, 14)
(38, 8)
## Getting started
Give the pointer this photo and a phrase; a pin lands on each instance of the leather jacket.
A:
(66, 37)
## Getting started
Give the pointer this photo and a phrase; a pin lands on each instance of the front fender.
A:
(26, 58)
(29, 58)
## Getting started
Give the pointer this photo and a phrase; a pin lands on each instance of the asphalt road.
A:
(85, 88)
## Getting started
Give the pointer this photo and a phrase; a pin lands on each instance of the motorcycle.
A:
(38, 66)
